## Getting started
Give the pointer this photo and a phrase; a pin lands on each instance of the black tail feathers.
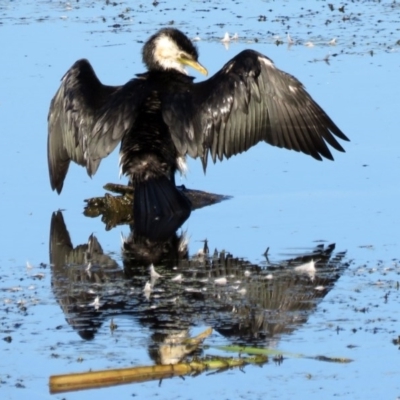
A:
(159, 208)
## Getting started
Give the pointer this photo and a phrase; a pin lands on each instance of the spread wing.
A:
(249, 100)
(87, 120)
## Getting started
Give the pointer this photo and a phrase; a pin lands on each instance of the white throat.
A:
(166, 53)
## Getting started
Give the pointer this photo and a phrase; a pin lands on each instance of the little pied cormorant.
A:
(161, 115)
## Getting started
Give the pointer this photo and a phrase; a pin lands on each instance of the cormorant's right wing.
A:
(249, 100)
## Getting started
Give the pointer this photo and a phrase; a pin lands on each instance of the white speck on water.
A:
(221, 281)
(226, 38)
(153, 273)
(177, 278)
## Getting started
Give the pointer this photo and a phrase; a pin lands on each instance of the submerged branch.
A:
(98, 379)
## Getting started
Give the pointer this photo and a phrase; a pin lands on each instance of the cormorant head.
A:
(169, 48)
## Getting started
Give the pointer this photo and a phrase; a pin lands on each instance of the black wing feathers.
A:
(247, 101)
(87, 120)
(116, 117)
(71, 117)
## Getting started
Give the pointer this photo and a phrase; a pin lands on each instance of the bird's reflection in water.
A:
(246, 302)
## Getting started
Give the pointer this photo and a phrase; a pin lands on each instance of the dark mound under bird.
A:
(162, 115)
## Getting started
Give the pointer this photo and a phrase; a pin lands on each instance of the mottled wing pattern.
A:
(247, 101)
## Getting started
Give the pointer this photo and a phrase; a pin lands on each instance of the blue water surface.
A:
(281, 200)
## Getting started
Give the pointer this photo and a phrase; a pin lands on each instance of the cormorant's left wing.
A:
(249, 100)
(87, 120)
(72, 115)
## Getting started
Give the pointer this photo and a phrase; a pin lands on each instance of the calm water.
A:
(282, 200)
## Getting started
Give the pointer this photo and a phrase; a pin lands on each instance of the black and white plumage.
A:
(160, 116)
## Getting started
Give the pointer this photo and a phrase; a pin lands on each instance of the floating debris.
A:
(242, 291)
(192, 290)
(177, 278)
(226, 38)
(221, 281)
(306, 268)
(147, 287)
(88, 269)
(113, 326)
(153, 273)
(95, 303)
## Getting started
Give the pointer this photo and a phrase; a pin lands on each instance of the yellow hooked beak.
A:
(192, 63)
